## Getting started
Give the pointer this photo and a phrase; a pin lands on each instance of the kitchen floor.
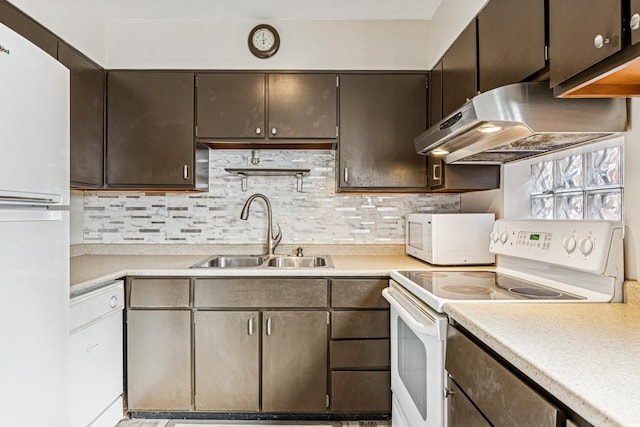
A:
(222, 423)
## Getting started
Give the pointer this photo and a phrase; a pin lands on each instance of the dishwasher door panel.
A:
(96, 369)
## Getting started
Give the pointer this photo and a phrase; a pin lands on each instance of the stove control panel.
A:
(583, 245)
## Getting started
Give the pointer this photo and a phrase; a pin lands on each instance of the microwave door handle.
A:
(430, 329)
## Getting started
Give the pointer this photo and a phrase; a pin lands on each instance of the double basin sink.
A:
(265, 261)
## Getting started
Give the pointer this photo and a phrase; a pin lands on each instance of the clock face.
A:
(264, 41)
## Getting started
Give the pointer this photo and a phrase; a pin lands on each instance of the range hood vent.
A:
(517, 121)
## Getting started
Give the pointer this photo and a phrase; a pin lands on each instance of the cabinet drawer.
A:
(360, 354)
(360, 324)
(361, 391)
(503, 398)
(358, 293)
(260, 293)
(153, 292)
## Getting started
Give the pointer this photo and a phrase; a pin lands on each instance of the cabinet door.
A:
(459, 71)
(227, 361)
(575, 32)
(435, 94)
(294, 361)
(231, 105)
(302, 106)
(380, 114)
(150, 129)
(511, 40)
(159, 360)
(87, 118)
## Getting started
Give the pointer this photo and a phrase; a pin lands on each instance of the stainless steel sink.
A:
(299, 262)
(256, 261)
(232, 261)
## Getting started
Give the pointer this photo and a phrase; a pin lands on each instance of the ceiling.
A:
(268, 9)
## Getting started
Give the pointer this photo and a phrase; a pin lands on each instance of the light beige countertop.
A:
(587, 355)
(89, 271)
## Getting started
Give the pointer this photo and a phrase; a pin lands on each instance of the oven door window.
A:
(412, 366)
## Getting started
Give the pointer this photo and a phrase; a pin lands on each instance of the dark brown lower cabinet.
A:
(361, 391)
(159, 360)
(258, 345)
(294, 361)
(226, 359)
(359, 351)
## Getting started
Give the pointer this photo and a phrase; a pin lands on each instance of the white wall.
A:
(77, 22)
(447, 23)
(210, 44)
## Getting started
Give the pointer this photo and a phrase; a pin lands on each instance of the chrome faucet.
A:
(272, 241)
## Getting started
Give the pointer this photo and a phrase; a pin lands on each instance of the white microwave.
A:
(450, 239)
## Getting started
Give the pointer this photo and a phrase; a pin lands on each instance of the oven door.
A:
(418, 336)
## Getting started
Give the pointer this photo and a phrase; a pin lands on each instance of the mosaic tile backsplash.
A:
(317, 215)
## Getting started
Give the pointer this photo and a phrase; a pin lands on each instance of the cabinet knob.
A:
(600, 41)
(634, 22)
(274, 131)
(258, 131)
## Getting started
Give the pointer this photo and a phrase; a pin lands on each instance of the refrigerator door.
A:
(34, 317)
(34, 132)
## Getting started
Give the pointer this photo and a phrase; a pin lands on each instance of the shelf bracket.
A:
(244, 174)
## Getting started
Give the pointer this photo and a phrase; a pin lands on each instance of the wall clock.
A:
(264, 41)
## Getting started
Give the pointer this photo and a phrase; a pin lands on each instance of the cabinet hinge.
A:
(328, 401)
(426, 82)
(337, 81)
(546, 53)
(328, 318)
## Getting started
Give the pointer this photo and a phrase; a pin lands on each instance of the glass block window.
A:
(583, 186)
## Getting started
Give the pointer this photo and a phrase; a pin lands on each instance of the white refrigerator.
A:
(34, 235)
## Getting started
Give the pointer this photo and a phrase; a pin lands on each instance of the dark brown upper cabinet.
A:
(459, 71)
(150, 141)
(87, 118)
(582, 36)
(594, 51)
(435, 94)
(511, 42)
(380, 114)
(266, 109)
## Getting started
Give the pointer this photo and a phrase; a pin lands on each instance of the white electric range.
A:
(538, 261)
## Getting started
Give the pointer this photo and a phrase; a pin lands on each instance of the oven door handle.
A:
(416, 326)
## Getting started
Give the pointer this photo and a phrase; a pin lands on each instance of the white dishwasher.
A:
(96, 341)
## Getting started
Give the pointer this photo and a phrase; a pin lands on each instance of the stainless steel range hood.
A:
(517, 121)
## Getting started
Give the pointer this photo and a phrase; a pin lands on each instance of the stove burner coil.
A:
(536, 292)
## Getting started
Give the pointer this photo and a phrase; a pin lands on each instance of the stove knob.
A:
(503, 237)
(569, 244)
(586, 246)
